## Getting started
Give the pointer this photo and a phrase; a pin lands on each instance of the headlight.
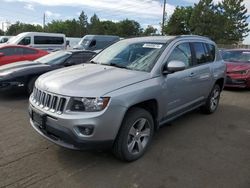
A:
(240, 72)
(89, 104)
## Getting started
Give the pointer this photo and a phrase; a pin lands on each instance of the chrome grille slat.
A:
(53, 103)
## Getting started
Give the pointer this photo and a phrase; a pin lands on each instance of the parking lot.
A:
(194, 151)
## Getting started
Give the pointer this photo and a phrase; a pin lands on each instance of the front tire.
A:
(135, 135)
(212, 102)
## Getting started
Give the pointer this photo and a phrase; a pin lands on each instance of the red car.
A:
(14, 53)
(238, 67)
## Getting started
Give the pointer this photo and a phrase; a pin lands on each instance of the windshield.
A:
(85, 41)
(14, 40)
(54, 58)
(236, 56)
(140, 56)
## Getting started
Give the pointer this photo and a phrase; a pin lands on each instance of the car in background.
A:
(46, 41)
(22, 75)
(4, 39)
(96, 42)
(238, 67)
(14, 53)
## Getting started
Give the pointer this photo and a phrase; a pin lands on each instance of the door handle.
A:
(192, 74)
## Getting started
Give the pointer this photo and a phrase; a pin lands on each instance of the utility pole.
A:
(163, 17)
(44, 16)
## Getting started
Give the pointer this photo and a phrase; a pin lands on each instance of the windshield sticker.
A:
(157, 46)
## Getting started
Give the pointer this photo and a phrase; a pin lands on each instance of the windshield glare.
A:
(134, 56)
(54, 58)
(236, 56)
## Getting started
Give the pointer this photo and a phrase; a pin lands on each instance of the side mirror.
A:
(69, 63)
(92, 44)
(1, 54)
(174, 66)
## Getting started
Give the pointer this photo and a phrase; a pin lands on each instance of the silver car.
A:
(127, 92)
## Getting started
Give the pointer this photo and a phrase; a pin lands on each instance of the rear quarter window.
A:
(48, 40)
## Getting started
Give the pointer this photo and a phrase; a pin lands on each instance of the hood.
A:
(237, 66)
(23, 67)
(89, 80)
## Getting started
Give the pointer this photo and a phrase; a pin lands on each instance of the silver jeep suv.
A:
(126, 92)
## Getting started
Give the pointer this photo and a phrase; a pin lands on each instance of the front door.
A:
(180, 88)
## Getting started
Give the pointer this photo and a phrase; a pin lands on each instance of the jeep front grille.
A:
(51, 102)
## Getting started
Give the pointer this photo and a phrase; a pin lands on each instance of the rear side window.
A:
(29, 51)
(48, 40)
(200, 53)
(210, 52)
(182, 53)
(25, 41)
(12, 51)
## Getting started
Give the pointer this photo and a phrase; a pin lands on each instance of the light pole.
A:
(163, 17)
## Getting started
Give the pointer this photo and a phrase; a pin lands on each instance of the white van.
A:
(45, 41)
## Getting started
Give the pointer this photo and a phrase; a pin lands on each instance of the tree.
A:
(235, 25)
(204, 20)
(70, 28)
(150, 30)
(95, 26)
(1, 32)
(129, 28)
(178, 23)
(83, 21)
(19, 27)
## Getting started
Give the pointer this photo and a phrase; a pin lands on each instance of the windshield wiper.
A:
(93, 62)
(116, 65)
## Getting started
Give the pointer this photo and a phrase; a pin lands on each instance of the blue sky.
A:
(146, 12)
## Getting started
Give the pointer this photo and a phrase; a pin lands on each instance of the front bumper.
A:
(63, 129)
(238, 81)
(11, 85)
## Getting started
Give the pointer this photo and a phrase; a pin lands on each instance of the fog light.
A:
(86, 130)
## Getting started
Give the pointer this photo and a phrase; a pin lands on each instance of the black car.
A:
(22, 75)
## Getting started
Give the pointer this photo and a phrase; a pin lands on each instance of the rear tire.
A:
(30, 85)
(135, 135)
(212, 102)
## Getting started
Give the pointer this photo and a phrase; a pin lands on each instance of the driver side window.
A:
(25, 41)
(182, 52)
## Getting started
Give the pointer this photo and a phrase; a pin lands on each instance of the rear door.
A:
(202, 71)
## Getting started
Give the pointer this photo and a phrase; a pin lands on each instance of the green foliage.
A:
(178, 23)
(1, 32)
(19, 27)
(235, 26)
(150, 30)
(129, 28)
(225, 22)
(83, 23)
(203, 19)
(68, 27)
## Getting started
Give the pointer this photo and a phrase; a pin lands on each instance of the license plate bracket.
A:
(39, 119)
